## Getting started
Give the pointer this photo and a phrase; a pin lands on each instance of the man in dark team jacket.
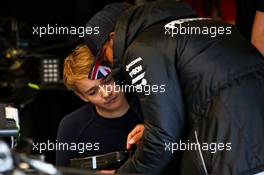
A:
(214, 87)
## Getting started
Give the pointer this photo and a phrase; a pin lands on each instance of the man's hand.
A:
(135, 136)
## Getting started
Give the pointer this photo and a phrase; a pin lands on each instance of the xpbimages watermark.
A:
(182, 27)
(61, 146)
(80, 31)
(145, 88)
(194, 146)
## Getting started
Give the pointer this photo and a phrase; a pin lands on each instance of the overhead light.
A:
(50, 70)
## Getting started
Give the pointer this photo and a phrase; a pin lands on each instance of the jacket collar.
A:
(136, 19)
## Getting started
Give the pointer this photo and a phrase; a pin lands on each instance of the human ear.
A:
(112, 35)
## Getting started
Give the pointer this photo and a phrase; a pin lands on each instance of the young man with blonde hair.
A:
(102, 125)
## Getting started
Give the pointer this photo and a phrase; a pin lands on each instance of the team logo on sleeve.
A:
(136, 72)
(132, 63)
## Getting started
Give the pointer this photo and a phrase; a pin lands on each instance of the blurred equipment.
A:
(9, 121)
(25, 163)
(27, 66)
(14, 163)
(6, 161)
(25, 146)
(22, 74)
(18, 68)
(21, 163)
(107, 161)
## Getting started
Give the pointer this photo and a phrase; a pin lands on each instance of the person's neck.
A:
(113, 113)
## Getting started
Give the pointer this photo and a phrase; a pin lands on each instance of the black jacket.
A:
(214, 92)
